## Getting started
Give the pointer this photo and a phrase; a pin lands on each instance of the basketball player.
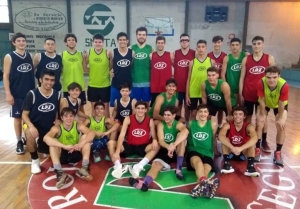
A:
(172, 137)
(273, 93)
(182, 58)
(161, 68)
(200, 152)
(253, 68)
(141, 67)
(39, 113)
(99, 77)
(67, 145)
(139, 127)
(197, 74)
(48, 60)
(238, 138)
(18, 79)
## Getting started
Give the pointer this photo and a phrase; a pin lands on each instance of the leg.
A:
(220, 118)
(227, 168)
(92, 108)
(180, 150)
(186, 113)
(84, 171)
(16, 111)
(32, 148)
(250, 171)
(259, 129)
(280, 137)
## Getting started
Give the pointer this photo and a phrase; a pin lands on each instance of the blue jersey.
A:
(72, 105)
(122, 111)
(21, 76)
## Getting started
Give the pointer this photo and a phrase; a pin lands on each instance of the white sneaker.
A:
(119, 171)
(35, 166)
(135, 170)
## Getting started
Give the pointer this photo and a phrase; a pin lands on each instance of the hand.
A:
(57, 122)
(171, 147)
(10, 99)
(241, 98)
(70, 148)
(100, 134)
(170, 154)
(281, 123)
(105, 134)
(236, 150)
(154, 144)
(34, 132)
(229, 118)
(115, 157)
(79, 146)
(261, 118)
(187, 101)
(112, 74)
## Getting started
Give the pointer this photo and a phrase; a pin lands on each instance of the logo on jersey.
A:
(168, 137)
(97, 60)
(236, 140)
(99, 18)
(25, 67)
(46, 107)
(201, 136)
(73, 59)
(214, 97)
(202, 68)
(160, 65)
(257, 70)
(69, 137)
(183, 63)
(125, 113)
(236, 67)
(52, 66)
(123, 63)
(218, 65)
(140, 56)
(138, 132)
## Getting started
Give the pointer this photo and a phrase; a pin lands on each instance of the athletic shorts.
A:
(66, 157)
(204, 159)
(276, 109)
(16, 108)
(163, 158)
(250, 107)
(42, 147)
(214, 109)
(180, 97)
(100, 144)
(141, 93)
(194, 103)
(153, 98)
(130, 150)
(95, 94)
(240, 157)
(82, 97)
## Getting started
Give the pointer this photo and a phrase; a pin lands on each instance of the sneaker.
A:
(215, 184)
(96, 156)
(107, 158)
(119, 171)
(138, 184)
(203, 189)
(265, 147)
(179, 174)
(35, 166)
(227, 168)
(24, 141)
(135, 170)
(257, 155)
(278, 158)
(84, 173)
(20, 148)
(61, 178)
(251, 171)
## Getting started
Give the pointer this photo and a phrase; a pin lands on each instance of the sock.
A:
(278, 147)
(264, 138)
(143, 162)
(85, 162)
(19, 138)
(220, 125)
(202, 178)
(226, 158)
(148, 180)
(250, 160)
(179, 162)
(258, 143)
(57, 166)
(34, 155)
(117, 163)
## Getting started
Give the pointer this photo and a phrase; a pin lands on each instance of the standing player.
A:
(141, 67)
(182, 58)
(197, 74)
(253, 68)
(273, 94)
(161, 68)
(39, 113)
(99, 78)
(48, 60)
(18, 79)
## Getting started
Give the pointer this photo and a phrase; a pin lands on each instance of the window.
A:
(4, 17)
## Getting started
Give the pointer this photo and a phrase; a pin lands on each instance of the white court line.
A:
(17, 163)
(295, 166)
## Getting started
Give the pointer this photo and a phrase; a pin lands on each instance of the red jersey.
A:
(238, 138)
(181, 68)
(255, 70)
(138, 133)
(161, 71)
(218, 60)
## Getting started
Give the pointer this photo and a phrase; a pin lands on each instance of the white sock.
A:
(143, 162)
(220, 125)
(117, 164)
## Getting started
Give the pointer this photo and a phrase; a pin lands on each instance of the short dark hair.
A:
(184, 34)
(67, 110)
(201, 41)
(160, 38)
(125, 86)
(258, 38)
(141, 103)
(273, 69)
(99, 104)
(217, 38)
(16, 36)
(235, 40)
(140, 29)
(70, 35)
(49, 39)
(98, 36)
(212, 69)
(240, 108)
(47, 72)
(122, 34)
(170, 108)
(202, 106)
(73, 86)
(171, 80)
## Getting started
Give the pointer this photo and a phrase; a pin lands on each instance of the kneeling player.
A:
(238, 138)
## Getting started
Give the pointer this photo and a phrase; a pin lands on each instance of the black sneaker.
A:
(24, 141)
(138, 184)
(251, 171)
(227, 168)
(20, 148)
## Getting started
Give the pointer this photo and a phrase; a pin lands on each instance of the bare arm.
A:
(242, 78)
(79, 112)
(224, 68)
(36, 60)
(152, 130)
(271, 60)
(183, 133)
(113, 124)
(114, 113)
(213, 63)
(133, 105)
(253, 137)
(158, 103)
(227, 96)
(187, 97)
(126, 123)
(90, 135)
(160, 135)
(86, 122)
(26, 119)
(84, 65)
(6, 73)
(172, 56)
(111, 56)
(86, 58)
(63, 104)
(223, 138)
(50, 139)
(204, 95)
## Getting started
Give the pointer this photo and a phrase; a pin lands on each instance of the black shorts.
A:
(66, 157)
(250, 107)
(95, 94)
(180, 97)
(177, 117)
(130, 150)
(162, 155)
(204, 159)
(82, 97)
(276, 109)
(194, 103)
(153, 98)
(16, 108)
(42, 146)
(214, 109)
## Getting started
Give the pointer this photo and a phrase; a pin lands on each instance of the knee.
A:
(157, 165)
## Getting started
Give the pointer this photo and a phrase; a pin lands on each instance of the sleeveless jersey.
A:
(201, 139)
(69, 137)
(21, 76)
(138, 133)
(122, 68)
(238, 138)
(141, 66)
(99, 76)
(218, 60)
(72, 69)
(181, 68)
(75, 106)
(255, 70)
(122, 111)
(198, 75)
(233, 71)
(170, 133)
(166, 102)
(50, 63)
(97, 126)
(161, 71)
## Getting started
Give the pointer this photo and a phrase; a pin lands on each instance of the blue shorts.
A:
(141, 93)
(16, 108)
(100, 144)
(180, 97)
(115, 94)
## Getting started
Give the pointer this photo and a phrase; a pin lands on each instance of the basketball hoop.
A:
(158, 33)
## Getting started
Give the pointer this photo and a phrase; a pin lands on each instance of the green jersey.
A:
(170, 133)
(166, 102)
(72, 69)
(97, 125)
(69, 137)
(99, 69)
(201, 139)
(141, 66)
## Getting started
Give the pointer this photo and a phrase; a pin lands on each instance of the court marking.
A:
(19, 162)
